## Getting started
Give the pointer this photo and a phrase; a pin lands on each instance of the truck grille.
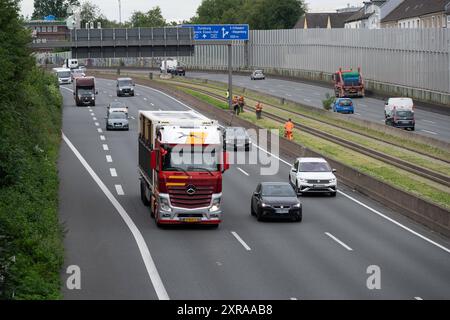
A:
(200, 199)
(318, 181)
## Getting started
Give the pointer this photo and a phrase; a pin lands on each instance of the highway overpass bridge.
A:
(123, 43)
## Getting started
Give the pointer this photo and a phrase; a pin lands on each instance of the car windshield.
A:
(236, 133)
(405, 114)
(117, 105)
(64, 74)
(258, 72)
(188, 159)
(278, 190)
(85, 92)
(117, 115)
(345, 102)
(125, 83)
(314, 167)
(78, 71)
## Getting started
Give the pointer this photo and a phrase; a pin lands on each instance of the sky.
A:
(178, 10)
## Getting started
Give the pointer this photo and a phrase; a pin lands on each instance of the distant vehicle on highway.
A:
(84, 91)
(399, 113)
(82, 68)
(70, 63)
(236, 138)
(276, 200)
(117, 106)
(117, 121)
(179, 71)
(77, 73)
(313, 175)
(343, 105)
(63, 75)
(258, 75)
(125, 87)
(168, 65)
(348, 83)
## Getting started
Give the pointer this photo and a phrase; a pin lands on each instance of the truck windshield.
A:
(125, 83)
(85, 92)
(64, 74)
(190, 159)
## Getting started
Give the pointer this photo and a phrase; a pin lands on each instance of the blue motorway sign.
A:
(220, 32)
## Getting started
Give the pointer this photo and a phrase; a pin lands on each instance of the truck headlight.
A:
(164, 204)
(215, 205)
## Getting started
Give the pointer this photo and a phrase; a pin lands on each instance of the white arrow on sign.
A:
(204, 36)
(224, 34)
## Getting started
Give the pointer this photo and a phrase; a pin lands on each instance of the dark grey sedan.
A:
(276, 200)
(117, 121)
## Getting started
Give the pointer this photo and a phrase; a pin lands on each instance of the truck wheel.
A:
(143, 198)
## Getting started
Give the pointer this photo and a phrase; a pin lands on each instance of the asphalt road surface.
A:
(427, 123)
(123, 255)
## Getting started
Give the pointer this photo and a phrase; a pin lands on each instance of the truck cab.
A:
(84, 91)
(63, 75)
(399, 113)
(181, 162)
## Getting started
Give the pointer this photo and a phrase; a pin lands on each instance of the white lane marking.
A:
(92, 114)
(363, 105)
(90, 110)
(103, 138)
(105, 92)
(241, 241)
(94, 118)
(119, 190)
(429, 121)
(109, 159)
(418, 298)
(113, 172)
(99, 130)
(357, 114)
(145, 99)
(307, 100)
(243, 172)
(289, 95)
(344, 194)
(133, 118)
(97, 124)
(110, 95)
(430, 132)
(137, 94)
(339, 241)
(395, 222)
(316, 94)
(105, 147)
(143, 249)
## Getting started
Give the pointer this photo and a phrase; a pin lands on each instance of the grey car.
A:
(236, 138)
(117, 121)
(125, 87)
(258, 75)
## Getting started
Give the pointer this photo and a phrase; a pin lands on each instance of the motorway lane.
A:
(427, 123)
(286, 259)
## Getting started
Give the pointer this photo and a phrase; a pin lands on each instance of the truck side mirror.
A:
(226, 163)
(153, 158)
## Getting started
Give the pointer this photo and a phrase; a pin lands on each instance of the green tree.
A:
(268, 14)
(91, 13)
(219, 11)
(58, 8)
(152, 18)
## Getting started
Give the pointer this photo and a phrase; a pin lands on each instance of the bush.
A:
(327, 102)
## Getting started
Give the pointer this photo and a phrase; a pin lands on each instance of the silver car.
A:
(117, 121)
(258, 75)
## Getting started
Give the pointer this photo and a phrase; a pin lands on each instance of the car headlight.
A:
(332, 180)
(164, 204)
(298, 205)
(302, 180)
(215, 205)
(265, 205)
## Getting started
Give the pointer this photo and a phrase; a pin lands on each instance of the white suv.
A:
(313, 175)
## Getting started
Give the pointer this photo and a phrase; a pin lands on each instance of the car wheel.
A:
(143, 198)
(299, 218)
(259, 215)
(252, 211)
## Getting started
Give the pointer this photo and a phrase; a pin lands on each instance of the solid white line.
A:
(105, 147)
(113, 172)
(99, 130)
(241, 241)
(143, 249)
(418, 298)
(344, 194)
(119, 190)
(430, 132)
(339, 241)
(109, 159)
(102, 138)
(432, 122)
(243, 172)
(395, 222)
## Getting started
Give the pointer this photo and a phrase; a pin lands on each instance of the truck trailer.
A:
(84, 91)
(181, 163)
(348, 83)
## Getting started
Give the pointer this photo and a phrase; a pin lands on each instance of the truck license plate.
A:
(191, 220)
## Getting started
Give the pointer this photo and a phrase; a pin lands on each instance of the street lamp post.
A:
(120, 12)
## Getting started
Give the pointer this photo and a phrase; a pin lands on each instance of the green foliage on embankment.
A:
(31, 250)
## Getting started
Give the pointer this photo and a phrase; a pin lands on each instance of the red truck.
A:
(348, 83)
(84, 91)
(181, 162)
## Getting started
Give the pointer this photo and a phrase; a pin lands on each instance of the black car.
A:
(276, 200)
(236, 138)
(179, 71)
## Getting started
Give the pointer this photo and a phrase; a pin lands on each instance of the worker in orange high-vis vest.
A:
(258, 109)
(241, 104)
(288, 130)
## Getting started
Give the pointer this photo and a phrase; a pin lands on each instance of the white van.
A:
(63, 75)
(70, 63)
(399, 113)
